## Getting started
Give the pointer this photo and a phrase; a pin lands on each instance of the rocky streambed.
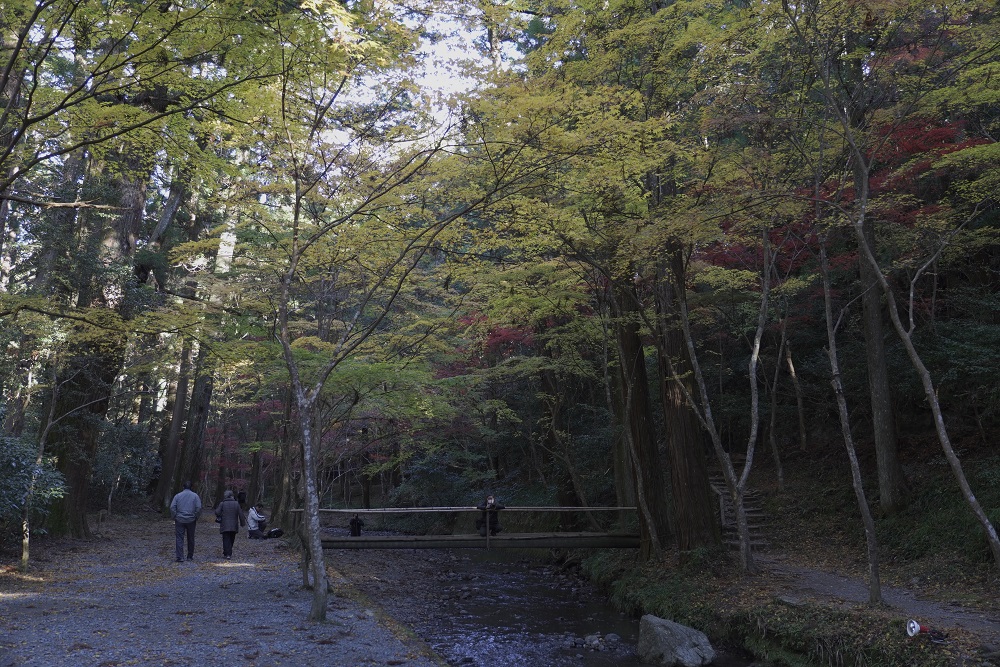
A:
(491, 609)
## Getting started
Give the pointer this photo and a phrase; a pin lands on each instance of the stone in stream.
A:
(663, 642)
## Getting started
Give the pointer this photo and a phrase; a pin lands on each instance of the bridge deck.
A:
(501, 541)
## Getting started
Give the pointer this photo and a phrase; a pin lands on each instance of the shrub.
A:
(24, 481)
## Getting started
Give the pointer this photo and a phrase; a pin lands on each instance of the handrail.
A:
(408, 510)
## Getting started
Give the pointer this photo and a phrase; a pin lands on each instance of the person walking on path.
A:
(185, 509)
(230, 517)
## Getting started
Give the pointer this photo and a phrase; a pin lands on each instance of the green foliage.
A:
(125, 461)
(937, 522)
(23, 480)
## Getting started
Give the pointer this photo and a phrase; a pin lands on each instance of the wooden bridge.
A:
(503, 540)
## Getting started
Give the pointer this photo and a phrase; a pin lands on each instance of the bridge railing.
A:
(546, 540)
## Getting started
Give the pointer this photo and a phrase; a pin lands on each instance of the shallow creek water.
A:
(489, 609)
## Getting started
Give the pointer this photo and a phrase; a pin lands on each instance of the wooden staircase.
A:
(756, 517)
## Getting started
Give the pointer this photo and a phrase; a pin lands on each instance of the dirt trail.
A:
(122, 600)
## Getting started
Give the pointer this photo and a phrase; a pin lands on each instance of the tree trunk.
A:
(197, 421)
(891, 481)
(82, 404)
(254, 493)
(168, 469)
(799, 398)
(773, 425)
(313, 536)
(930, 392)
(613, 393)
(654, 527)
(871, 540)
(285, 498)
(703, 405)
(694, 516)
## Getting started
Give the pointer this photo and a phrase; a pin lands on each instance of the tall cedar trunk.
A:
(613, 393)
(80, 409)
(169, 464)
(220, 481)
(624, 474)
(253, 487)
(891, 481)
(84, 396)
(284, 494)
(651, 493)
(694, 515)
(9, 232)
(197, 421)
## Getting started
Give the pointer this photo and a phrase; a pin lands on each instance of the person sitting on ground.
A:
(357, 523)
(490, 518)
(256, 523)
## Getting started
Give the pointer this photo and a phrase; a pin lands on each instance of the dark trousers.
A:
(228, 538)
(180, 530)
(494, 525)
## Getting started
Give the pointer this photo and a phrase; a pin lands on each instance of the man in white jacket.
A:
(256, 523)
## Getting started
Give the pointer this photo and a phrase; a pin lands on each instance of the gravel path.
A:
(122, 600)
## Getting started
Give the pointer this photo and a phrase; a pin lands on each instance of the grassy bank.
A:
(934, 548)
(742, 612)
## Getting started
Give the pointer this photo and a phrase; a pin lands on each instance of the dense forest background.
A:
(646, 246)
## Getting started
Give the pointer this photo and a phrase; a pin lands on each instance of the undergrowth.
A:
(935, 546)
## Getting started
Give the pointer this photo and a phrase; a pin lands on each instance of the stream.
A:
(493, 609)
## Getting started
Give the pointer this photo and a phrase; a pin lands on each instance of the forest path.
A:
(794, 584)
(122, 600)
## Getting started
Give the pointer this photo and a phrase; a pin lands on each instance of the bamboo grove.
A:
(248, 245)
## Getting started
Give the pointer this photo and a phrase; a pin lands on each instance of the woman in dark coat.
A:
(230, 518)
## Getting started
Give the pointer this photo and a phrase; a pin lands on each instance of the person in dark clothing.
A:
(357, 523)
(185, 509)
(490, 518)
(242, 498)
(230, 518)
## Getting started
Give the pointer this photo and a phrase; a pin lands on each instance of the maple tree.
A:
(242, 247)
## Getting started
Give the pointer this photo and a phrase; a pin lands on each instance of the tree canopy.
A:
(248, 245)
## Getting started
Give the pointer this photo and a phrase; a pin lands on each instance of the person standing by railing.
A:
(489, 521)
